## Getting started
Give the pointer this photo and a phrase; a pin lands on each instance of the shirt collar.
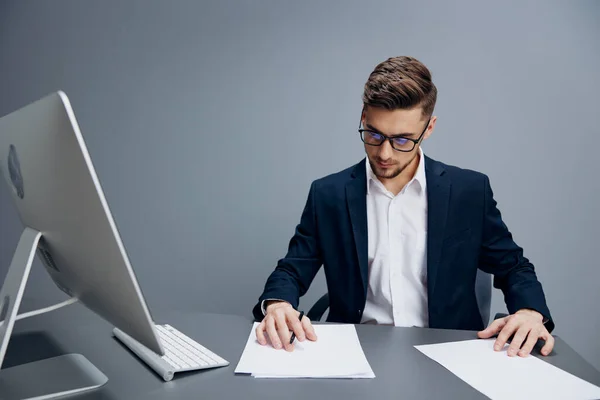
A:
(419, 174)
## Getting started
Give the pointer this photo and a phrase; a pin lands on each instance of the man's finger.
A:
(518, 340)
(260, 333)
(283, 331)
(295, 324)
(495, 327)
(309, 329)
(504, 335)
(547, 348)
(532, 339)
(272, 332)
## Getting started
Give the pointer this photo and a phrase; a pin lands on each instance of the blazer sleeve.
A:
(295, 272)
(502, 257)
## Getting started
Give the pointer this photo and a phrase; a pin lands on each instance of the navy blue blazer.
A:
(465, 232)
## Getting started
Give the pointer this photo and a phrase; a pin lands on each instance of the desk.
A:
(400, 369)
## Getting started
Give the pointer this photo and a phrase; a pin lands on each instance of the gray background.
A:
(207, 121)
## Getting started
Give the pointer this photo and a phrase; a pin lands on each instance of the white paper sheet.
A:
(369, 375)
(499, 376)
(337, 353)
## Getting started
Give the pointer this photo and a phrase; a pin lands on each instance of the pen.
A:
(293, 334)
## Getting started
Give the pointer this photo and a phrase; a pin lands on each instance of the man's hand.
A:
(526, 326)
(280, 318)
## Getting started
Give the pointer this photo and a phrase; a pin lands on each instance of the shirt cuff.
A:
(262, 305)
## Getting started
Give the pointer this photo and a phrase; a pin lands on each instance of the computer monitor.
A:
(49, 174)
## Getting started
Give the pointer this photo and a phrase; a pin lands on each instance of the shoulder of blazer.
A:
(338, 180)
(457, 175)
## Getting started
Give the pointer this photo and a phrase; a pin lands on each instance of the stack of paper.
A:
(499, 376)
(337, 353)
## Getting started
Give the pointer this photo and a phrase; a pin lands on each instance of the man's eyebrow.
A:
(372, 128)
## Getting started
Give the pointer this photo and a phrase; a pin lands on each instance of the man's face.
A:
(386, 162)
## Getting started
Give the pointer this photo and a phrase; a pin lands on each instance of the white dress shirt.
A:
(397, 231)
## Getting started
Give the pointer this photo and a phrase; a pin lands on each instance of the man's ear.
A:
(430, 128)
(362, 115)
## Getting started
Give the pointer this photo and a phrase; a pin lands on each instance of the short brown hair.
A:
(401, 83)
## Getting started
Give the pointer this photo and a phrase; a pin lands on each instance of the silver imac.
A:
(67, 222)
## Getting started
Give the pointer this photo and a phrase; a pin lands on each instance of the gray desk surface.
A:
(400, 369)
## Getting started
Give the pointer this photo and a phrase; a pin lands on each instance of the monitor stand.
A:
(45, 379)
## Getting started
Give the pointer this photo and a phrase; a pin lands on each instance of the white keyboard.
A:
(181, 352)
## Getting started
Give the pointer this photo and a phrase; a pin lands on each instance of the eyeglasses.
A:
(399, 143)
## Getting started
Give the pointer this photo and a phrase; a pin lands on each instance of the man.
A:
(401, 236)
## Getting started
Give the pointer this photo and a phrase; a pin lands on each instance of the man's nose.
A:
(385, 150)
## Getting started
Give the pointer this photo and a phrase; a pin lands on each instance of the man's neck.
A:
(395, 185)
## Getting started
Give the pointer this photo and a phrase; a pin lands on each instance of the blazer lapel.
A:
(356, 197)
(438, 197)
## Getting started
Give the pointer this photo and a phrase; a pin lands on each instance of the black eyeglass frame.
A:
(390, 138)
